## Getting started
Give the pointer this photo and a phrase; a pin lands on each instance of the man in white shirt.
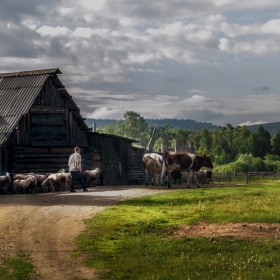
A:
(75, 169)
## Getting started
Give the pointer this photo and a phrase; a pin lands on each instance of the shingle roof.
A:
(18, 92)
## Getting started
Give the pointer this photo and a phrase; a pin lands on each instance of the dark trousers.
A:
(77, 175)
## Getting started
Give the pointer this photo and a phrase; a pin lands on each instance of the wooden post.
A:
(246, 177)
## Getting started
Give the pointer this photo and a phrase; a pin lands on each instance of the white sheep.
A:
(91, 175)
(24, 184)
(40, 179)
(5, 182)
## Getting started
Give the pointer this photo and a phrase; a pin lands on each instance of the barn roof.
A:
(18, 92)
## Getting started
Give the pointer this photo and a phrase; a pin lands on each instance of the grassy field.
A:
(135, 239)
(17, 268)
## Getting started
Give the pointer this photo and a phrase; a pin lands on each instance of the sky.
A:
(213, 61)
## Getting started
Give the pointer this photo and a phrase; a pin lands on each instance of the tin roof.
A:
(18, 92)
(30, 73)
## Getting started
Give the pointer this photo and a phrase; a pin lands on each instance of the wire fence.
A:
(244, 177)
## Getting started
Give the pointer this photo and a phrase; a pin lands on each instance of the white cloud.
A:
(93, 5)
(105, 113)
(252, 123)
(53, 31)
(196, 91)
(271, 27)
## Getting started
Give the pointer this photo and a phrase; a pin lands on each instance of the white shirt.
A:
(75, 162)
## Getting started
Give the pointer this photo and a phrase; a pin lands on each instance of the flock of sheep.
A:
(54, 182)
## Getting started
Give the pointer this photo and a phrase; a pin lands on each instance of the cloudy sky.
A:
(208, 60)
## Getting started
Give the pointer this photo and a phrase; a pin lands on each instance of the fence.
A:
(243, 177)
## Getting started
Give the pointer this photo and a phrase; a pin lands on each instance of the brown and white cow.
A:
(154, 166)
(185, 162)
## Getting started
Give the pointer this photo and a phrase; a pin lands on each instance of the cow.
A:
(153, 164)
(185, 162)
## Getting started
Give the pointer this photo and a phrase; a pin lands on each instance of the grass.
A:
(17, 268)
(134, 239)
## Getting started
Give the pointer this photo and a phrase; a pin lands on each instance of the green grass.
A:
(134, 239)
(17, 268)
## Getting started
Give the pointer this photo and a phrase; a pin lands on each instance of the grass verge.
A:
(17, 268)
(134, 239)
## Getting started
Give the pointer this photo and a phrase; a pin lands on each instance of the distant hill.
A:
(272, 128)
(185, 124)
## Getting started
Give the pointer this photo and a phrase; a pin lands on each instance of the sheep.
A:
(63, 180)
(19, 177)
(33, 185)
(91, 176)
(24, 184)
(40, 179)
(50, 181)
(56, 181)
(5, 182)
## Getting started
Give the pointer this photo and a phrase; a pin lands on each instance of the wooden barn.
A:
(40, 124)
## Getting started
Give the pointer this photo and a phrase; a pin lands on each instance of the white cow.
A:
(154, 165)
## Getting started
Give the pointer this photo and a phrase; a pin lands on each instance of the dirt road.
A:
(46, 226)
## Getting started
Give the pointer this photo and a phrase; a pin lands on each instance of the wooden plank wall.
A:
(116, 158)
(44, 160)
(138, 169)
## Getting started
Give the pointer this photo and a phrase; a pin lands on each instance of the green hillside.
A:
(185, 124)
(272, 128)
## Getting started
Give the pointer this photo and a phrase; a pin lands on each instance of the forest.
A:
(231, 148)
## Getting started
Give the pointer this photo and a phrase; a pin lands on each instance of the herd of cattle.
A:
(172, 164)
(44, 183)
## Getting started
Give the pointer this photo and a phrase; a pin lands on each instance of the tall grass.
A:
(134, 239)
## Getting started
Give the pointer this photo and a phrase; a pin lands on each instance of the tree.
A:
(205, 142)
(135, 127)
(276, 144)
(260, 142)
(240, 143)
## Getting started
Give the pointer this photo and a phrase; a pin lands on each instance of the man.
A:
(76, 169)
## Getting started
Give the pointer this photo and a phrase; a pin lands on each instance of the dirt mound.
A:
(237, 230)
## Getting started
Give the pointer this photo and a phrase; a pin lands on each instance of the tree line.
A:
(231, 148)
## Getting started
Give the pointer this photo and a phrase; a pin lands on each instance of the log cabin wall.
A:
(44, 137)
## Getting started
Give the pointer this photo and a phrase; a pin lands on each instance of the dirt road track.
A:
(46, 226)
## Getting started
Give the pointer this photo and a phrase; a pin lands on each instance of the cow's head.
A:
(207, 161)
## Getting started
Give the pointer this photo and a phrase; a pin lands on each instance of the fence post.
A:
(246, 177)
